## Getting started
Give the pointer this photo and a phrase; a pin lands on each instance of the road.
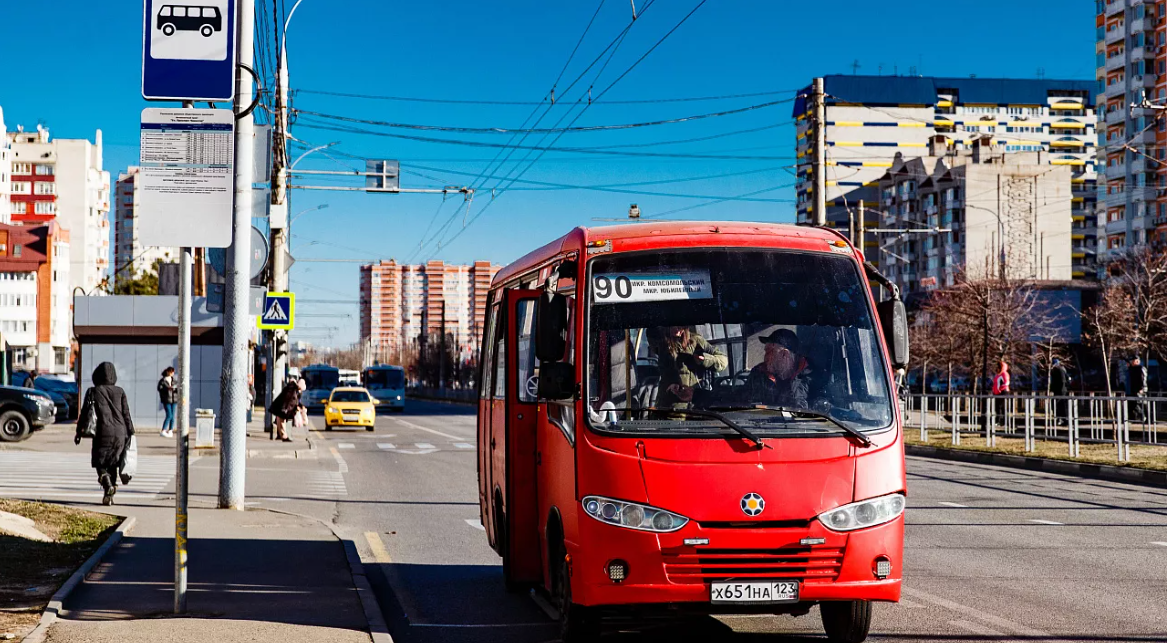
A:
(992, 554)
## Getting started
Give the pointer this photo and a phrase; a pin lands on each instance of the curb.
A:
(378, 627)
(1129, 475)
(57, 602)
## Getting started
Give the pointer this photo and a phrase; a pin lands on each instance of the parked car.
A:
(62, 391)
(23, 411)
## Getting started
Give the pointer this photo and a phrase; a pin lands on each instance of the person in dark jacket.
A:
(31, 381)
(1059, 385)
(781, 377)
(111, 435)
(285, 407)
(1137, 381)
(168, 396)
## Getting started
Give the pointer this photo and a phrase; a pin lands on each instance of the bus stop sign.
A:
(279, 311)
(188, 50)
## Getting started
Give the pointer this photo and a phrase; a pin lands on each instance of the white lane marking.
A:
(463, 445)
(481, 625)
(428, 430)
(339, 460)
(475, 523)
(347, 445)
(1161, 544)
(424, 445)
(1045, 522)
(996, 621)
(385, 445)
(953, 504)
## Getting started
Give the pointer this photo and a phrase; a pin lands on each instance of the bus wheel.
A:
(168, 29)
(577, 624)
(846, 621)
(207, 31)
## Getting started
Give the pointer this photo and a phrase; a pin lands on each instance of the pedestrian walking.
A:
(168, 396)
(1001, 390)
(1059, 384)
(285, 408)
(31, 381)
(105, 414)
(1137, 388)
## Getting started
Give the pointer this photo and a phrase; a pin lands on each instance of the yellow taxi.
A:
(350, 406)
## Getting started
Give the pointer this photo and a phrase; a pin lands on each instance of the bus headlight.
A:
(866, 513)
(632, 515)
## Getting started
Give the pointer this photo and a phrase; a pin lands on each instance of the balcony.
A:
(1116, 227)
(1115, 117)
(1143, 138)
(1115, 90)
(1115, 35)
(1116, 171)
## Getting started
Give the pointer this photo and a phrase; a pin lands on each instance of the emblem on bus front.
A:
(752, 504)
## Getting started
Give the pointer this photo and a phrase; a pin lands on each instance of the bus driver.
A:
(781, 378)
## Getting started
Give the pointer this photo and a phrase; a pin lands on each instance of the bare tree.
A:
(1111, 327)
(1141, 273)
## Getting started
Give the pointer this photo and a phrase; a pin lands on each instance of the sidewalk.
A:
(254, 575)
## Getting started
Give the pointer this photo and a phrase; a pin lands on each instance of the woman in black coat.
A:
(285, 407)
(111, 434)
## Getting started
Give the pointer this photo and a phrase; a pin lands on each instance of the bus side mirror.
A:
(551, 327)
(556, 381)
(893, 317)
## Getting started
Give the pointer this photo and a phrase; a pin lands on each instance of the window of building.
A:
(21, 187)
(22, 168)
(44, 187)
(19, 207)
(44, 170)
(45, 207)
(17, 249)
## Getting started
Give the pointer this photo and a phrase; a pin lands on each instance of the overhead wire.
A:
(513, 103)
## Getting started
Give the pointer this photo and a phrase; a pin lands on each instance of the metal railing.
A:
(1073, 420)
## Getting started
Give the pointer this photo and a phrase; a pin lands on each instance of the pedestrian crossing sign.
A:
(279, 311)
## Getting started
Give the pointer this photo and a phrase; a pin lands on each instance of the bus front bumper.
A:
(663, 571)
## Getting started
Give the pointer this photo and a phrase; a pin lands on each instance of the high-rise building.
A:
(1131, 64)
(1000, 211)
(35, 300)
(869, 119)
(61, 180)
(403, 305)
(5, 174)
(131, 258)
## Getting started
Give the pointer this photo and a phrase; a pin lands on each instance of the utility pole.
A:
(861, 232)
(442, 359)
(236, 353)
(820, 144)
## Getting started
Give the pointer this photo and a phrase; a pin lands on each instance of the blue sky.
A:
(512, 51)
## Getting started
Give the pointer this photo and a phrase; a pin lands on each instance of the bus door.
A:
(514, 439)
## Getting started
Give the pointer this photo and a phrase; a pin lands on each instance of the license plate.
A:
(758, 592)
(351, 411)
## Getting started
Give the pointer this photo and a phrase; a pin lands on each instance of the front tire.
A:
(577, 624)
(370, 428)
(14, 427)
(207, 31)
(846, 621)
(168, 29)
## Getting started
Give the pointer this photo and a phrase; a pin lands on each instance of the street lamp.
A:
(303, 212)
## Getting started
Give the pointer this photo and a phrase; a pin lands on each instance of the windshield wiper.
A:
(856, 433)
(746, 433)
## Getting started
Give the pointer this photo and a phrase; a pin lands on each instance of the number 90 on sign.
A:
(629, 288)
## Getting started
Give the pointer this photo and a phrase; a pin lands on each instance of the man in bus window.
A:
(683, 357)
(781, 378)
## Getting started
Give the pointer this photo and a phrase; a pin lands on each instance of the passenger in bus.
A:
(683, 357)
(781, 379)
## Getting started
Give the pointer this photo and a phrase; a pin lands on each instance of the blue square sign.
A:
(279, 311)
(188, 50)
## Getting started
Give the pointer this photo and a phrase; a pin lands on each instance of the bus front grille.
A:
(710, 565)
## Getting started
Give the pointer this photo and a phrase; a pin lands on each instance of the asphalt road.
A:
(992, 554)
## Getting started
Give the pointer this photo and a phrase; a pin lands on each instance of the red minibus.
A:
(695, 417)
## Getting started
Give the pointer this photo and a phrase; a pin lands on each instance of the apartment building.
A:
(999, 210)
(1131, 65)
(5, 174)
(130, 257)
(62, 181)
(35, 298)
(870, 119)
(403, 305)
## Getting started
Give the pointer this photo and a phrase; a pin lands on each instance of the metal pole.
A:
(862, 233)
(820, 152)
(182, 445)
(236, 353)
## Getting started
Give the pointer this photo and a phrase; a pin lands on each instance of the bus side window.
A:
(500, 354)
(486, 386)
(165, 12)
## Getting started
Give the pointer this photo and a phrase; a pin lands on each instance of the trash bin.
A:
(204, 428)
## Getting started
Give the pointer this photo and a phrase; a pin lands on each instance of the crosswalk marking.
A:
(385, 445)
(327, 483)
(463, 445)
(421, 448)
(29, 474)
(347, 445)
(425, 445)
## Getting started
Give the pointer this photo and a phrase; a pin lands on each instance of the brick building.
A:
(35, 296)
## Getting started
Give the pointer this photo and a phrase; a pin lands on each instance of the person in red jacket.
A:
(1001, 388)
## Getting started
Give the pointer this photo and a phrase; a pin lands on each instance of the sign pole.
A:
(182, 445)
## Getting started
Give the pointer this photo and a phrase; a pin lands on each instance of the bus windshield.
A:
(780, 341)
(321, 379)
(384, 378)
